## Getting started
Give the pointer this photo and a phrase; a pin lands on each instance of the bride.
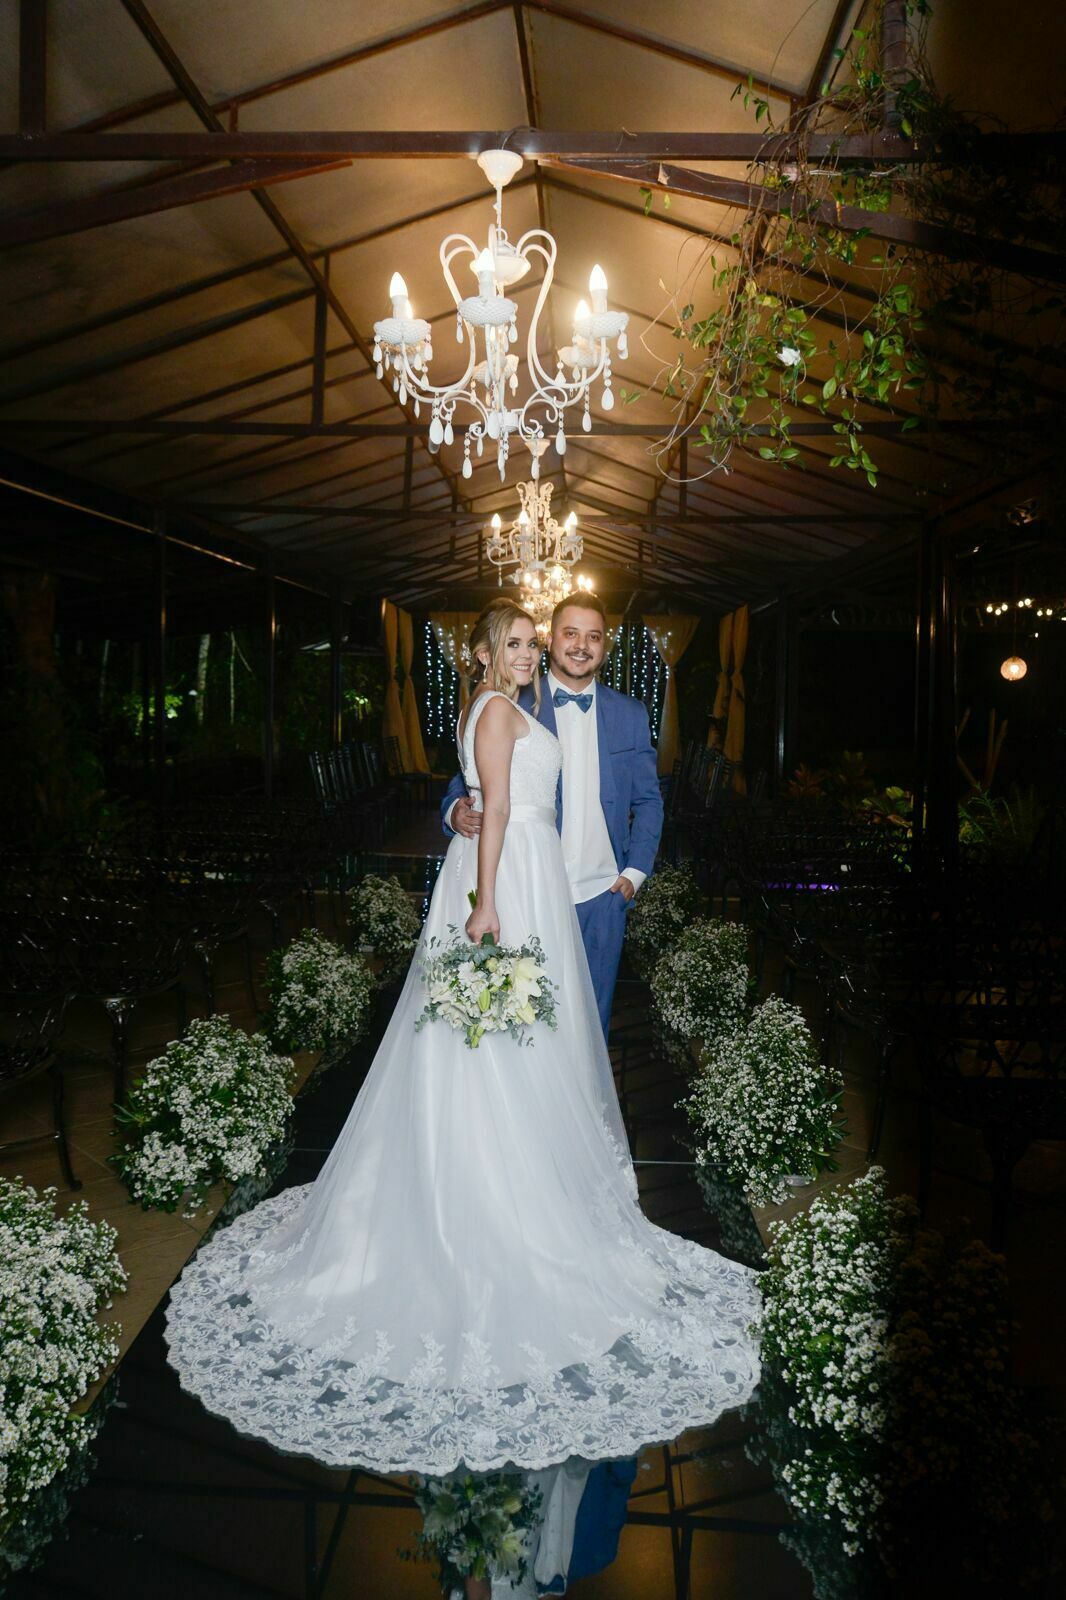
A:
(471, 1279)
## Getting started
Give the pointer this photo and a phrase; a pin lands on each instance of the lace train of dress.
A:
(470, 1278)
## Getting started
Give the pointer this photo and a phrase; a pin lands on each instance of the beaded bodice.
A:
(535, 764)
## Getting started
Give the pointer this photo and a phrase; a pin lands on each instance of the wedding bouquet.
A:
(487, 988)
(477, 1525)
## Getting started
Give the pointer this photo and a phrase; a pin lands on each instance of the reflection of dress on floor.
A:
(471, 1279)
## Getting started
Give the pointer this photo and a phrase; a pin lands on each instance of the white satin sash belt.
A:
(533, 814)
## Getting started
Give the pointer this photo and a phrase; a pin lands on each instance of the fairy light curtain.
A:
(671, 637)
(634, 667)
(442, 690)
(392, 723)
(452, 630)
(415, 749)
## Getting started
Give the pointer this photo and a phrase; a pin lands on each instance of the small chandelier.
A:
(542, 551)
(489, 385)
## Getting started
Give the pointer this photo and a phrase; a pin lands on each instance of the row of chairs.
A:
(968, 972)
(120, 921)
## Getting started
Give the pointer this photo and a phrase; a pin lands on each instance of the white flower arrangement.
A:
(487, 988)
(210, 1108)
(763, 1106)
(320, 994)
(701, 985)
(477, 1526)
(665, 906)
(56, 1272)
(894, 1423)
(382, 919)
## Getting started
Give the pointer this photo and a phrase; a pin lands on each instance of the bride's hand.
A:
(482, 920)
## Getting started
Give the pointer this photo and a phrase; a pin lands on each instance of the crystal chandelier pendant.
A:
(542, 551)
(502, 403)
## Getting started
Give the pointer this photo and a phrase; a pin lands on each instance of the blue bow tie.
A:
(561, 698)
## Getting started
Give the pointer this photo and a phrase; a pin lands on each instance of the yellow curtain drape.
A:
(733, 749)
(392, 726)
(452, 631)
(415, 747)
(671, 637)
(721, 697)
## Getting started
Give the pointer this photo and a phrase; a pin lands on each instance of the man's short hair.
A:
(587, 601)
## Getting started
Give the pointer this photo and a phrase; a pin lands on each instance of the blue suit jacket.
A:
(629, 784)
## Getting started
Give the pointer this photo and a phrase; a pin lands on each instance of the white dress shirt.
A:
(587, 851)
(590, 861)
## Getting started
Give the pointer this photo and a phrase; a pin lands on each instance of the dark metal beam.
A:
(401, 430)
(752, 197)
(251, 509)
(534, 144)
(120, 204)
(33, 54)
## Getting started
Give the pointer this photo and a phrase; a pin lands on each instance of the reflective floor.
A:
(179, 1505)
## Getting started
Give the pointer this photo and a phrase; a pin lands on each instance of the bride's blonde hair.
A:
(491, 632)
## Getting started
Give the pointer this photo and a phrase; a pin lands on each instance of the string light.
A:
(442, 690)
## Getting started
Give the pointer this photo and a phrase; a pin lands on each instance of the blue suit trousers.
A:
(603, 928)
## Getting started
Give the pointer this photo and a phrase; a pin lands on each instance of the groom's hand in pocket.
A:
(624, 887)
(465, 819)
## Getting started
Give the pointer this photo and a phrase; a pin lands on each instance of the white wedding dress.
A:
(471, 1279)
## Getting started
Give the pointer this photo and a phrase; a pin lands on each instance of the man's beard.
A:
(575, 669)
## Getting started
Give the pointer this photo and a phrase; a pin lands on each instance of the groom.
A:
(609, 810)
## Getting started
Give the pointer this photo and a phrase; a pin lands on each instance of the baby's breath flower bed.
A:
(476, 1526)
(888, 1415)
(382, 919)
(211, 1107)
(763, 1106)
(56, 1273)
(43, 1518)
(666, 904)
(319, 994)
(701, 986)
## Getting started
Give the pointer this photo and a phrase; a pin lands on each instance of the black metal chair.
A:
(29, 1030)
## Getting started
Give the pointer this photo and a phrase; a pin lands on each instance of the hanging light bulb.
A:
(598, 289)
(398, 296)
(1014, 669)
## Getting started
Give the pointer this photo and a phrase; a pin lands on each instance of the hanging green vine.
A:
(750, 368)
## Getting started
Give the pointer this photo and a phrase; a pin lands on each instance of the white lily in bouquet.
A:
(487, 988)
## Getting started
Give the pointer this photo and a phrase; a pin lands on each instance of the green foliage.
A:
(762, 352)
(477, 1526)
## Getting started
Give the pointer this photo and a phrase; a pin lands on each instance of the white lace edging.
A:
(661, 1376)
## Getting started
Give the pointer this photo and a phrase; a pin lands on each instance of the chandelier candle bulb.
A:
(487, 323)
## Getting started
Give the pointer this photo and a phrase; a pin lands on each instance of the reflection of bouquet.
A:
(487, 988)
(478, 1525)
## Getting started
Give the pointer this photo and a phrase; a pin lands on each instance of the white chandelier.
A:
(489, 385)
(542, 550)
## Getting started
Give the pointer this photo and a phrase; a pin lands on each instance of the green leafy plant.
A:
(665, 906)
(211, 1107)
(787, 334)
(890, 1420)
(56, 1273)
(320, 995)
(382, 920)
(762, 1105)
(477, 1525)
